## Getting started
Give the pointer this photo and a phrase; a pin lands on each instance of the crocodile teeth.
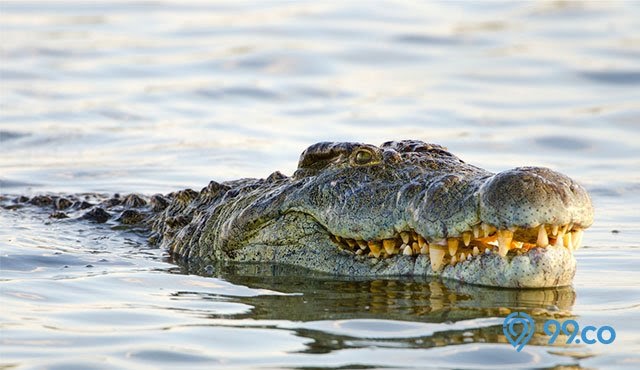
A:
(543, 239)
(407, 251)
(466, 238)
(374, 246)
(389, 245)
(577, 239)
(504, 241)
(421, 241)
(453, 246)
(476, 231)
(415, 235)
(436, 256)
(568, 243)
(488, 229)
(559, 240)
(444, 251)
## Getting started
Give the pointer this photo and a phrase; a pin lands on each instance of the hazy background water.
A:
(156, 96)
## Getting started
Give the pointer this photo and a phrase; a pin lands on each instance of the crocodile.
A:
(399, 209)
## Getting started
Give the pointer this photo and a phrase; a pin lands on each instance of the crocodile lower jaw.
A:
(482, 239)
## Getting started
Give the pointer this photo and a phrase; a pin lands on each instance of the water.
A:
(157, 96)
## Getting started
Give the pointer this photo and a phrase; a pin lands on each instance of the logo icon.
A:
(524, 322)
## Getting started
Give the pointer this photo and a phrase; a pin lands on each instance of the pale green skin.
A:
(407, 185)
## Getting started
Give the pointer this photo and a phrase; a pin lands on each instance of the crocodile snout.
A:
(531, 196)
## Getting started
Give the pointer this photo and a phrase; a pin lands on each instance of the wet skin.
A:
(403, 208)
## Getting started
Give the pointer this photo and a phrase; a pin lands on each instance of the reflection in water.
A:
(459, 310)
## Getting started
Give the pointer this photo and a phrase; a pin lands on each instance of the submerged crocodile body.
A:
(404, 208)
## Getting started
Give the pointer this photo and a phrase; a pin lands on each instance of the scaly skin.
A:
(358, 209)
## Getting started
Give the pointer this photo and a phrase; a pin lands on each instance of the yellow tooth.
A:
(577, 239)
(488, 229)
(424, 249)
(362, 244)
(375, 248)
(543, 239)
(415, 247)
(475, 251)
(453, 261)
(564, 229)
(517, 245)
(453, 246)
(414, 235)
(477, 231)
(389, 245)
(504, 241)
(554, 230)
(352, 243)
(466, 238)
(463, 256)
(559, 241)
(405, 237)
(421, 241)
(359, 252)
(436, 256)
(338, 239)
(503, 250)
(568, 243)
(407, 251)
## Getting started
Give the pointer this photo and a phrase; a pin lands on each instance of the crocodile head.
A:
(406, 208)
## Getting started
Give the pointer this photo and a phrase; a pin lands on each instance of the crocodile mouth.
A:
(482, 238)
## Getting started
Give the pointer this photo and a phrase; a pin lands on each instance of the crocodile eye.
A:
(363, 156)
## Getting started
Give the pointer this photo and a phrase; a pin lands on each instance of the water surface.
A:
(156, 96)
